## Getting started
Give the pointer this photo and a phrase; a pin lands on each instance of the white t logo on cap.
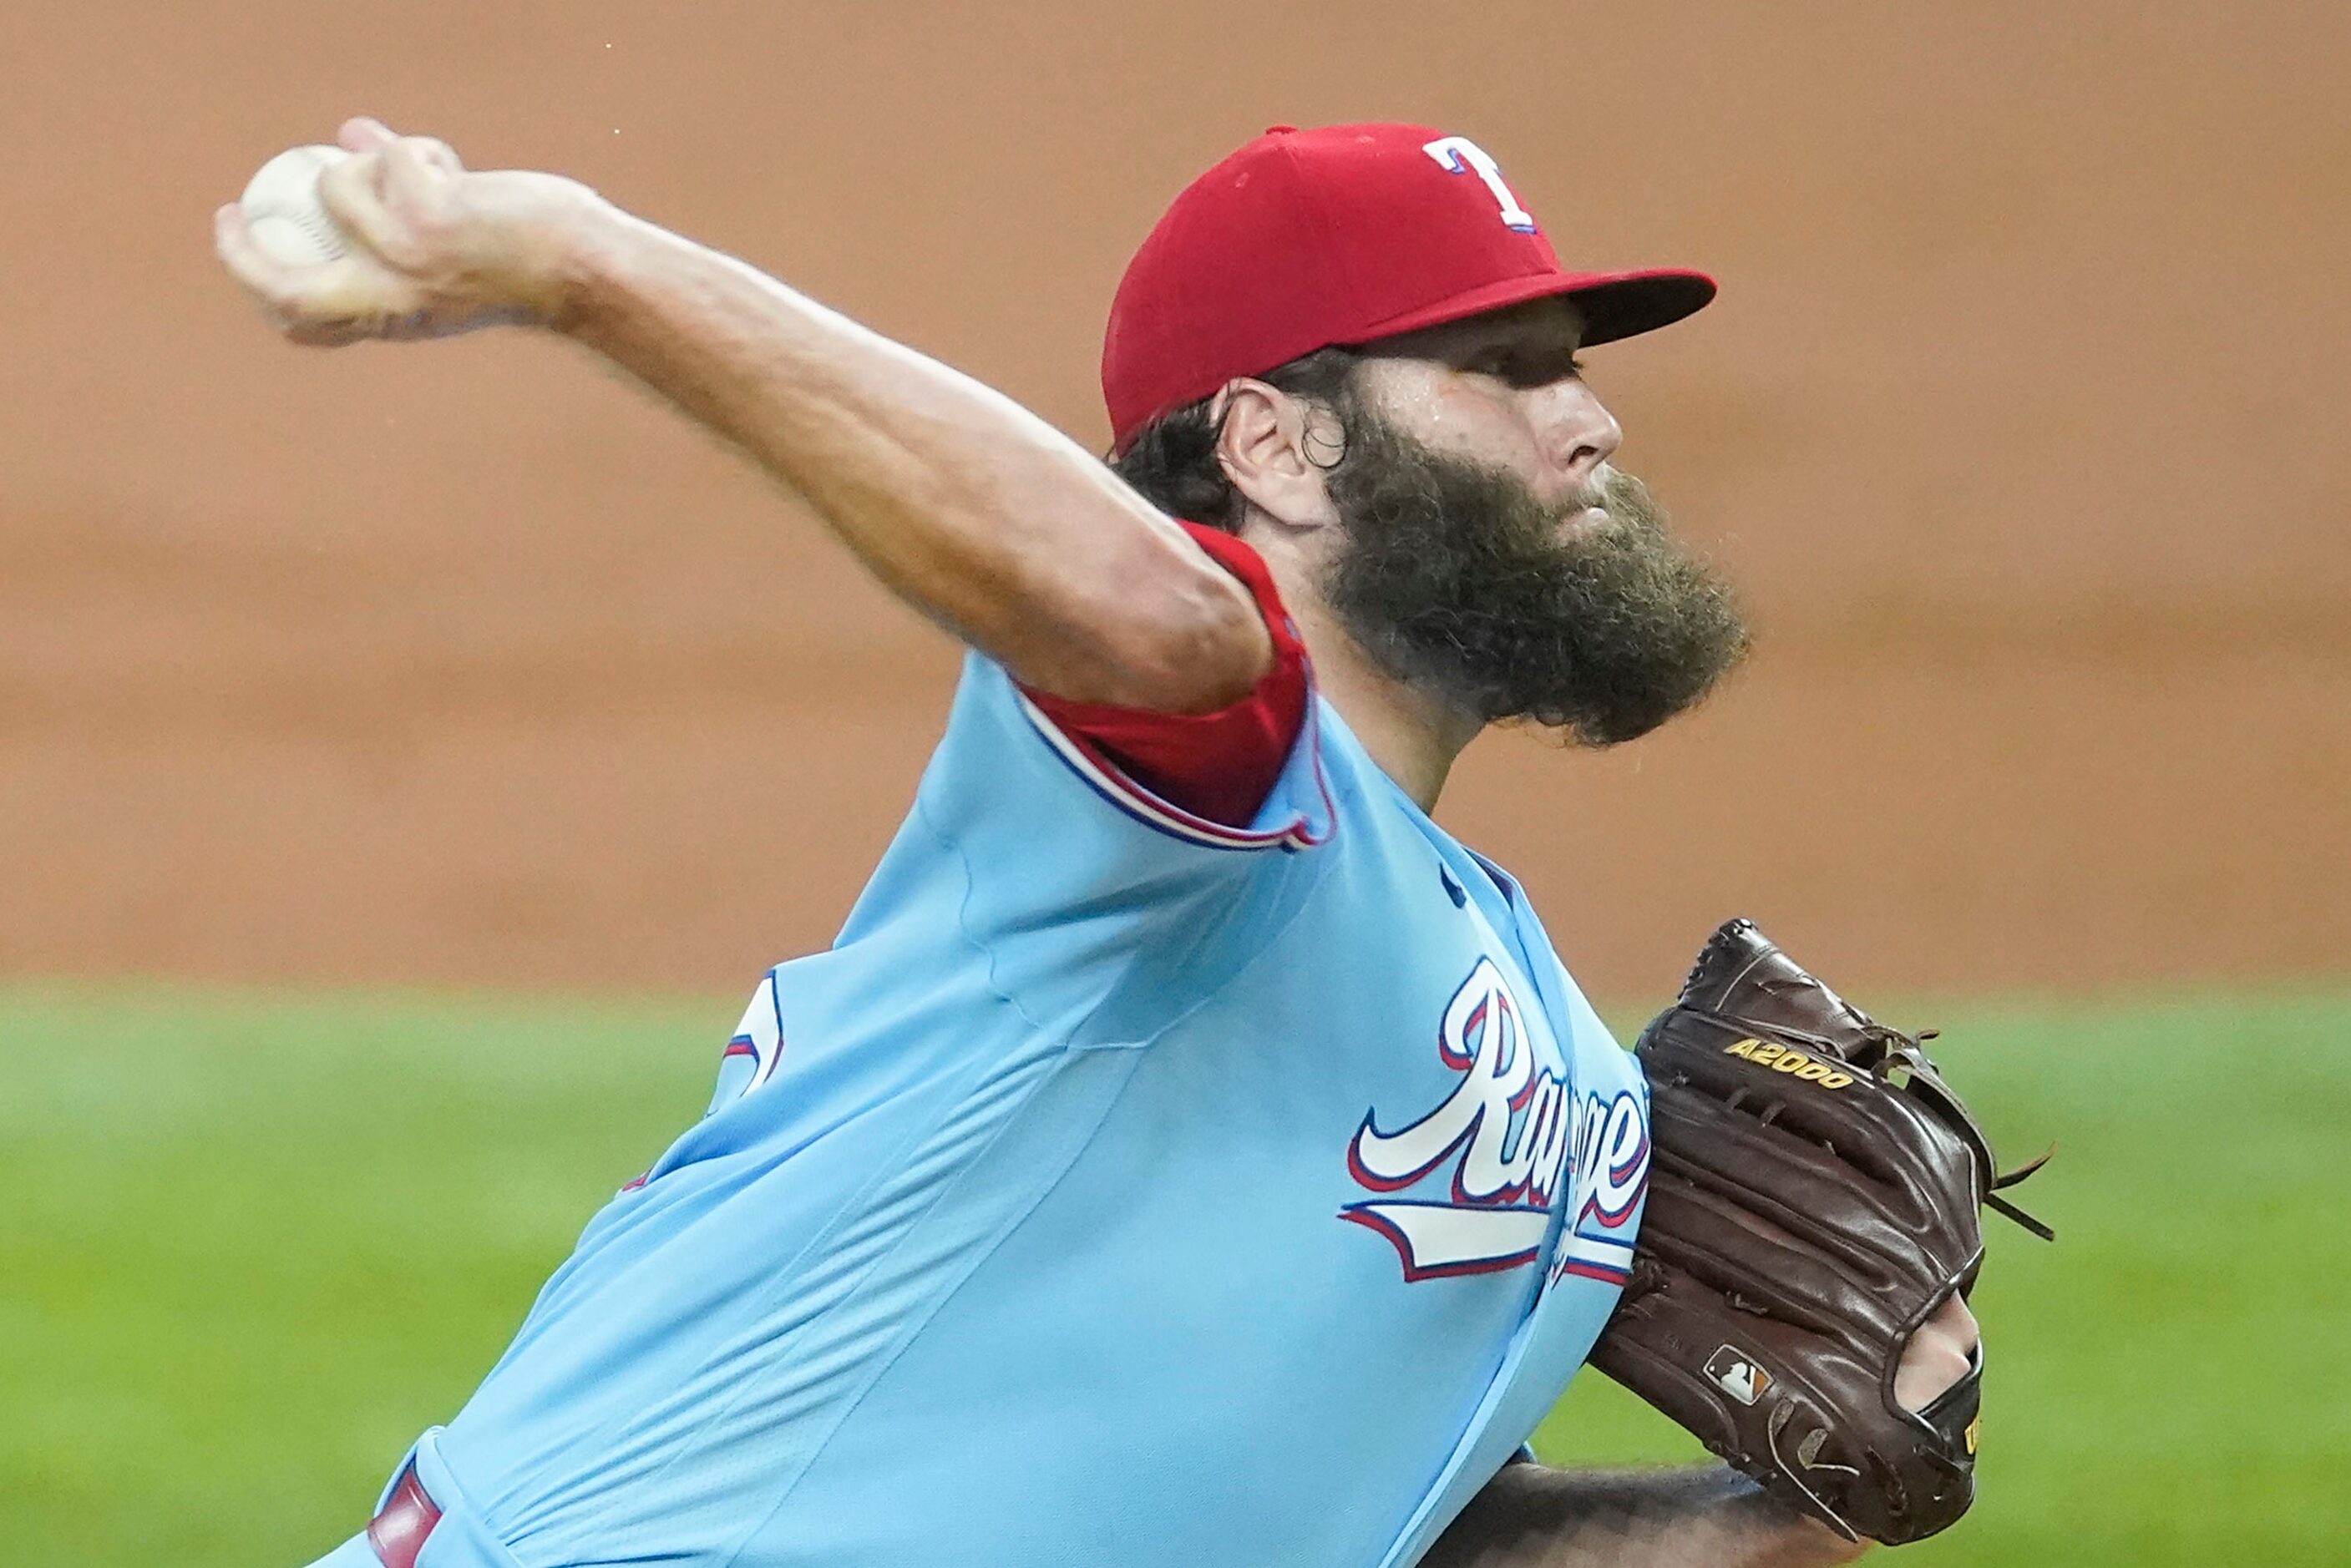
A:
(1459, 155)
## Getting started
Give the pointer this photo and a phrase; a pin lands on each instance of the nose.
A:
(1576, 431)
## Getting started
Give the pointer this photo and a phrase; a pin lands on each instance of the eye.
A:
(1525, 368)
(1555, 366)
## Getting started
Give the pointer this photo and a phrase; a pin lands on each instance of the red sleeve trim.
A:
(1217, 766)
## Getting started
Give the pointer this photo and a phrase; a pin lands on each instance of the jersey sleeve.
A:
(1219, 766)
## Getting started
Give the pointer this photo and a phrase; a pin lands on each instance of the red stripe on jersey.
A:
(1219, 766)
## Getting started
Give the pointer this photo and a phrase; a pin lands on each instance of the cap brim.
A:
(1615, 304)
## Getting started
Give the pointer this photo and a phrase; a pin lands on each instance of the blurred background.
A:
(409, 756)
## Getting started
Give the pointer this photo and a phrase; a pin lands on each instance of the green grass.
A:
(250, 1247)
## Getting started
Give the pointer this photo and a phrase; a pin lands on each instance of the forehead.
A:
(1555, 323)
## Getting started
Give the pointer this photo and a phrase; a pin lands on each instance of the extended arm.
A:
(1531, 1517)
(971, 509)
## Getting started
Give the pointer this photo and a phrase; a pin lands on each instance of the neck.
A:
(1412, 735)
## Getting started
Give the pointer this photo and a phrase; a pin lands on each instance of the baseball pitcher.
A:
(1189, 1153)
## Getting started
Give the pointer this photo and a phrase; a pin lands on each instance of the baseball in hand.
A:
(281, 206)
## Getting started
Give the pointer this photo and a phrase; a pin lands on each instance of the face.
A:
(1504, 390)
(1493, 553)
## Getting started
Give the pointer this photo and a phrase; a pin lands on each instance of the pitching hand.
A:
(435, 248)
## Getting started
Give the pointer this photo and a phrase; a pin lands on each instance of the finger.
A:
(266, 279)
(355, 194)
(1930, 1365)
(330, 303)
(1957, 1323)
(410, 173)
(362, 134)
(438, 153)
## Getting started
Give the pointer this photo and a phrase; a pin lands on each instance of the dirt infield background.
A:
(2020, 416)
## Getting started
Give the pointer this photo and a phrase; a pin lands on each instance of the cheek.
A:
(1488, 426)
(1463, 418)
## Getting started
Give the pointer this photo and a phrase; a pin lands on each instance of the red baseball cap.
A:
(1345, 233)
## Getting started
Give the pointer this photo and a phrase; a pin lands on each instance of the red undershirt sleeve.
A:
(1218, 766)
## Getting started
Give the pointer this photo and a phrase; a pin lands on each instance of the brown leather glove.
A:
(1813, 1199)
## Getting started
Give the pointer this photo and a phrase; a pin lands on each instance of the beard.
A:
(1456, 578)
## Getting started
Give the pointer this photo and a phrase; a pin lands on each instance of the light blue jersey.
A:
(1120, 1190)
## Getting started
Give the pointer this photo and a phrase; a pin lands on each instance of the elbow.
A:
(1186, 647)
(1201, 657)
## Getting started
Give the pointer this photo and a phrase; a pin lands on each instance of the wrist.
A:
(1795, 1539)
(564, 257)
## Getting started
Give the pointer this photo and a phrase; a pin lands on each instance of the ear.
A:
(1274, 447)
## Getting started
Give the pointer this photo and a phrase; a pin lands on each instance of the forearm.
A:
(970, 508)
(1531, 1517)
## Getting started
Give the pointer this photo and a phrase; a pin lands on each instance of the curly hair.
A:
(1172, 462)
